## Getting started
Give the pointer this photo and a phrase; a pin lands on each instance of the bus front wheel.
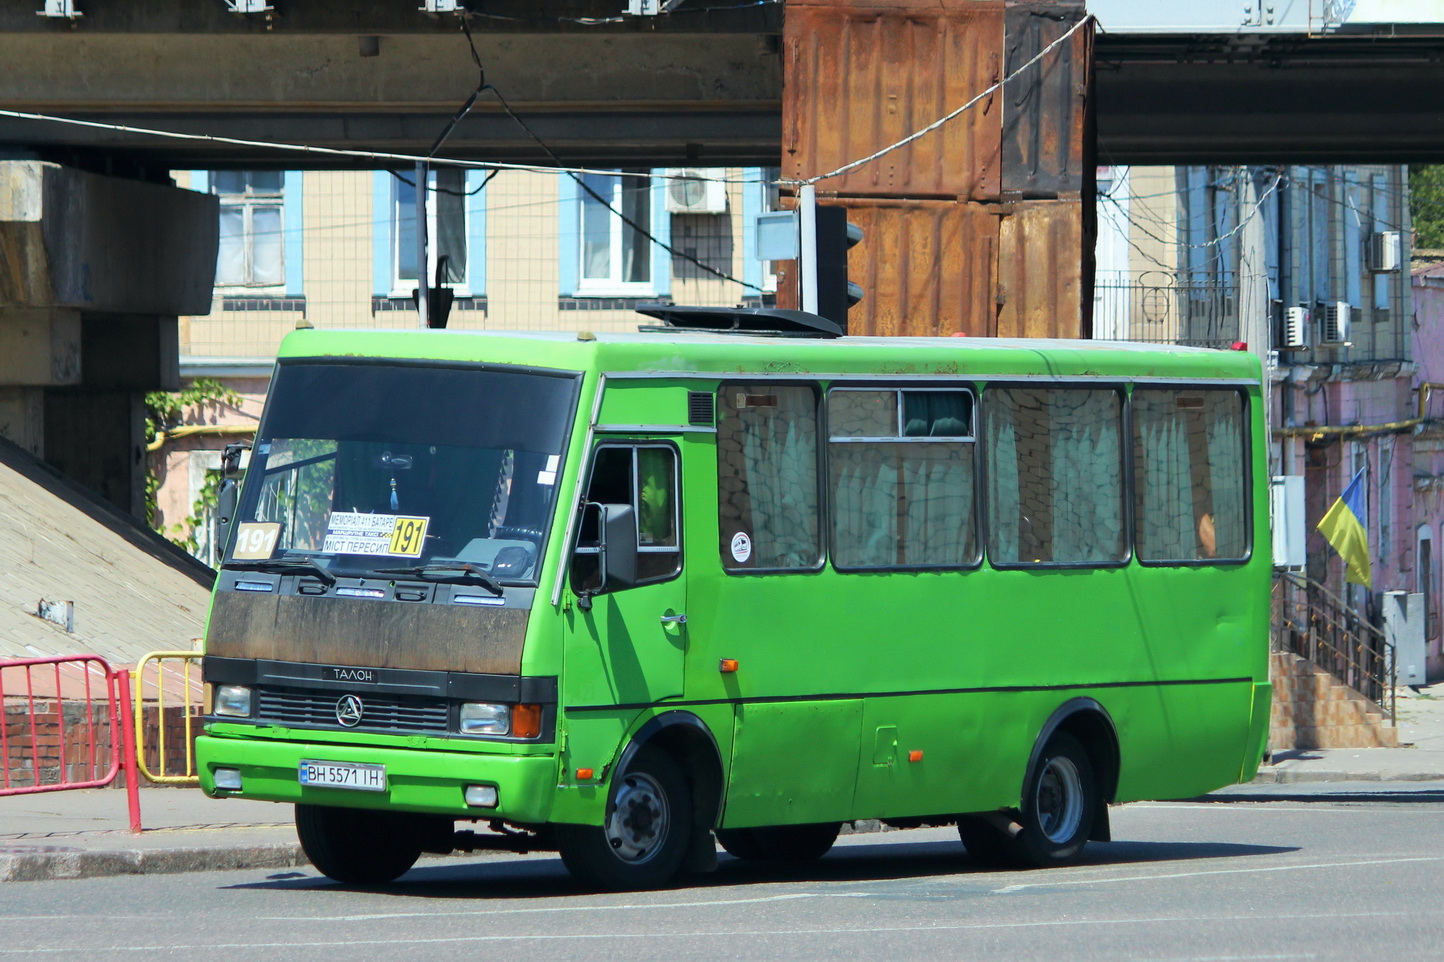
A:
(1059, 804)
(780, 843)
(357, 847)
(644, 837)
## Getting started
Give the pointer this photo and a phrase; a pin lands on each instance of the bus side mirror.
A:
(228, 496)
(609, 532)
(618, 554)
(227, 499)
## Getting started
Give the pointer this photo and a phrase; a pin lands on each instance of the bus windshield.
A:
(373, 468)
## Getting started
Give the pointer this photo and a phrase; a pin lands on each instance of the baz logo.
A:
(366, 675)
(349, 711)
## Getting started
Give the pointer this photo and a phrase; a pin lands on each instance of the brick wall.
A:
(70, 741)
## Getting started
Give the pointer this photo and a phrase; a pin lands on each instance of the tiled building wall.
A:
(521, 287)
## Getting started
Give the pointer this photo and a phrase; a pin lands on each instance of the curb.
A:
(1290, 777)
(49, 866)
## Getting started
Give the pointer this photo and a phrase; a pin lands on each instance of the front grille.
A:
(392, 713)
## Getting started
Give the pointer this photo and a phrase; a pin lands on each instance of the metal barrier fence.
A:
(60, 727)
(175, 695)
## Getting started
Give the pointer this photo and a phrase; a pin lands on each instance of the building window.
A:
(605, 222)
(446, 230)
(252, 248)
(615, 254)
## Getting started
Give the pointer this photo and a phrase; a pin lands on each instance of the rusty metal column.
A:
(984, 226)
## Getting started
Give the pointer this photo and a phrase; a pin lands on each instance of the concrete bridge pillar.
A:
(94, 272)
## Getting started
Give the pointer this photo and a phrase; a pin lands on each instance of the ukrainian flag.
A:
(1346, 526)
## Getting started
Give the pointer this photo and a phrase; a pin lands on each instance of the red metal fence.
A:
(62, 727)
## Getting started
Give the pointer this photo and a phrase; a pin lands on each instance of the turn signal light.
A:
(915, 756)
(584, 774)
(727, 665)
(526, 721)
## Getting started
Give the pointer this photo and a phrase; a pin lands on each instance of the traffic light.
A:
(835, 236)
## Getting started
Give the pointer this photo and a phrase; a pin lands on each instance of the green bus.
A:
(627, 596)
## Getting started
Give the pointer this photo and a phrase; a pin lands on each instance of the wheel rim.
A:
(641, 819)
(1059, 799)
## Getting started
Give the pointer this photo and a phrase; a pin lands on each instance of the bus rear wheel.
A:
(1059, 804)
(780, 843)
(643, 839)
(357, 847)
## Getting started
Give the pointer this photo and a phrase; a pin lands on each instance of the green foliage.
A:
(1426, 204)
(164, 411)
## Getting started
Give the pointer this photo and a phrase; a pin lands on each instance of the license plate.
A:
(354, 775)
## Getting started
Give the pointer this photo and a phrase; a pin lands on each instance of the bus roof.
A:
(708, 354)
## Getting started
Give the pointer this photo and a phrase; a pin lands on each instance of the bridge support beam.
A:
(94, 272)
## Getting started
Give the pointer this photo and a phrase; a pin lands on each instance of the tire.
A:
(357, 847)
(985, 842)
(1059, 804)
(644, 837)
(780, 843)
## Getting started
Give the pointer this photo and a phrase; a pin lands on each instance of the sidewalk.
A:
(82, 834)
(1421, 728)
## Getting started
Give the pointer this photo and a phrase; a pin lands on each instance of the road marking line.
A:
(565, 908)
(1219, 871)
(719, 933)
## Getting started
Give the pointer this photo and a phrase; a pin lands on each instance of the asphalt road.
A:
(1285, 878)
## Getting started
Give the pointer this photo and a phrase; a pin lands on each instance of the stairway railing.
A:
(1316, 624)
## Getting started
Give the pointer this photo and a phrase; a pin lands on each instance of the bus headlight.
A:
(484, 718)
(233, 700)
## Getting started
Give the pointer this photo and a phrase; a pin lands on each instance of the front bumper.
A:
(416, 781)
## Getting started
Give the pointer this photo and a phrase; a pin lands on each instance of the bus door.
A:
(627, 648)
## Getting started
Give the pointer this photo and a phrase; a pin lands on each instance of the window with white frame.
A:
(771, 200)
(615, 255)
(446, 230)
(252, 251)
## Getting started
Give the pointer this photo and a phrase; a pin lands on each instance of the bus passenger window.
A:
(901, 470)
(767, 485)
(1190, 469)
(644, 477)
(1055, 475)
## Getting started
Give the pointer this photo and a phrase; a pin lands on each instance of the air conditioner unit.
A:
(1296, 328)
(1335, 323)
(1385, 252)
(696, 190)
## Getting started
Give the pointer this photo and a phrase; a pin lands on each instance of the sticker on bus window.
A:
(548, 474)
(741, 547)
(355, 532)
(256, 540)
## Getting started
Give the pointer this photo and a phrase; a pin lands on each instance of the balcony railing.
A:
(1166, 308)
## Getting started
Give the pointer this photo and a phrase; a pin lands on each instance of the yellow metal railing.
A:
(161, 684)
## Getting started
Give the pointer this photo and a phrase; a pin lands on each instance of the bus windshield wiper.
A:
(449, 573)
(283, 566)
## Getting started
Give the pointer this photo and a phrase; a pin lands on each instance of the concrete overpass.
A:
(1193, 81)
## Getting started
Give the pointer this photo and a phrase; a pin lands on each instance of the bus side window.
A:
(1055, 475)
(645, 477)
(1190, 469)
(767, 476)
